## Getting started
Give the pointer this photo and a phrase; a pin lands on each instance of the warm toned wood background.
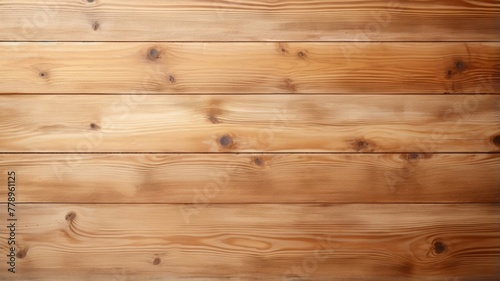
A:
(253, 68)
(251, 139)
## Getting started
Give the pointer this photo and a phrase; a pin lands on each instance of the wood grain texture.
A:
(243, 20)
(291, 140)
(257, 241)
(238, 68)
(270, 178)
(249, 123)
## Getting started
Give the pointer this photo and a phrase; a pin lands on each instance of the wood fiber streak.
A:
(249, 123)
(245, 20)
(270, 178)
(149, 242)
(250, 68)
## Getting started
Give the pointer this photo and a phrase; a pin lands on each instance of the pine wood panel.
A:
(257, 241)
(269, 178)
(318, 120)
(255, 123)
(238, 68)
(243, 20)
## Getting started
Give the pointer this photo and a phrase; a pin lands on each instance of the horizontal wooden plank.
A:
(235, 68)
(249, 123)
(272, 242)
(270, 178)
(241, 20)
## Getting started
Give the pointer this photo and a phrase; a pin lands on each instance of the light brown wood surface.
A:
(249, 123)
(266, 241)
(250, 140)
(244, 20)
(255, 178)
(238, 68)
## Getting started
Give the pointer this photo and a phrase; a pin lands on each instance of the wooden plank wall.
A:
(250, 140)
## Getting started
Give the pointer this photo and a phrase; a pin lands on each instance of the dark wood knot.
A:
(438, 247)
(213, 119)
(413, 156)
(258, 161)
(70, 216)
(496, 140)
(22, 254)
(226, 141)
(94, 126)
(460, 65)
(153, 54)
